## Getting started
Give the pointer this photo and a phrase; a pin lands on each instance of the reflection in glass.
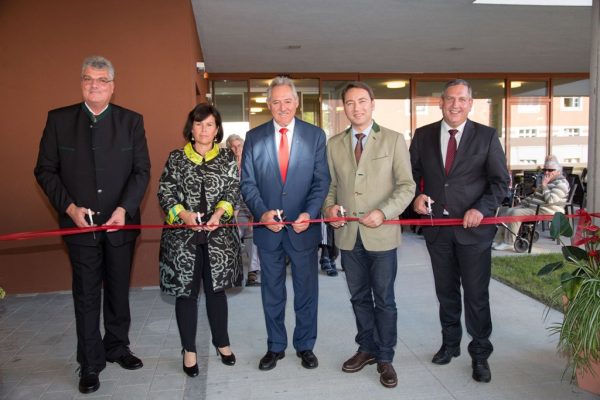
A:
(570, 121)
(528, 88)
(392, 104)
(332, 108)
(528, 133)
(230, 98)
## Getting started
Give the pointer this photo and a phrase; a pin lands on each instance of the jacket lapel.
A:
(436, 145)
(372, 139)
(271, 150)
(296, 150)
(347, 144)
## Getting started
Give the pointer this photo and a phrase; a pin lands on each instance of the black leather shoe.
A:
(269, 361)
(387, 374)
(190, 371)
(309, 360)
(227, 360)
(128, 361)
(445, 354)
(481, 371)
(89, 380)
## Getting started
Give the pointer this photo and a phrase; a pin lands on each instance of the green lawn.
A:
(520, 272)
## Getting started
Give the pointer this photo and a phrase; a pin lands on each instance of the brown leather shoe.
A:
(358, 362)
(387, 374)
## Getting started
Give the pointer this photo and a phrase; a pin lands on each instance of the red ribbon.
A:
(419, 222)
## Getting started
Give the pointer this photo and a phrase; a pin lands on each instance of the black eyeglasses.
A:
(548, 170)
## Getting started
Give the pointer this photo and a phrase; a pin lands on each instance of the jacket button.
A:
(446, 185)
(99, 190)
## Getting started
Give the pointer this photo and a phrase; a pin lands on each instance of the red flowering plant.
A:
(579, 332)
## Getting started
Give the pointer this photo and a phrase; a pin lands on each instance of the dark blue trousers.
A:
(274, 296)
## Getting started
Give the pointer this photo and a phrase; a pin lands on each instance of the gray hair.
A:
(281, 81)
(98, 62)
(456, 82)
(551, 162)
(232, 138)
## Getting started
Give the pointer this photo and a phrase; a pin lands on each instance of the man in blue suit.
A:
(285, 177)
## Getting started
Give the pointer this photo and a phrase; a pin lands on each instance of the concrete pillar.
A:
(593, 189)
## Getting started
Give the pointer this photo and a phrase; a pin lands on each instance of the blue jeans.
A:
(370, 276)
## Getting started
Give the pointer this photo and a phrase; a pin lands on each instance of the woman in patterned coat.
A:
(199, 187)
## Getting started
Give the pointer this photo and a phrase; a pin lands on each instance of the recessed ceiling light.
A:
(395, 84)
(256, 109)
(260, 99)
(571, 3)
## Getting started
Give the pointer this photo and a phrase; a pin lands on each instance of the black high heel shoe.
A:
(227, 360)
(190, 371)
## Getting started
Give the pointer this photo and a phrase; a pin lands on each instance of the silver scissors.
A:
(89, 213)
(429, 209)
(280, 218)
(343, 214)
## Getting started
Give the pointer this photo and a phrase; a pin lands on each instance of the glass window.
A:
(259, 111)
(332, 108)
(528, 88)
(489, 104)
(427, 102)
(230, 97)
(528, 134)
(392, 104)
(570, 121)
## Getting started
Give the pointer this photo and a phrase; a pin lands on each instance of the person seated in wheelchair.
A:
(550, 196)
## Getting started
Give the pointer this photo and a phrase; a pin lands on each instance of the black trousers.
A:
(92, 266)
(470, 265)
(186, 308)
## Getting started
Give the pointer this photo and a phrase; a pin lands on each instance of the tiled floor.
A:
(37, 345)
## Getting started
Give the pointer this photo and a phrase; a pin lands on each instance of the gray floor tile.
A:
(66, 395)
(131, 392)
(39, 331)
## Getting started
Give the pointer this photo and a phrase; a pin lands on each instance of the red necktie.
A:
(284, 154)
(359, 146)
(451, 152)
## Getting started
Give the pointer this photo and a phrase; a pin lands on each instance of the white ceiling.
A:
(406, 36)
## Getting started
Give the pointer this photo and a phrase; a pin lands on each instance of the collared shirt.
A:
(93, 114)
(367, 131)
(289, 134)
(445, 137)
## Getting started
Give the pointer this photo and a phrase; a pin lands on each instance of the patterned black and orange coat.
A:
(180, 189)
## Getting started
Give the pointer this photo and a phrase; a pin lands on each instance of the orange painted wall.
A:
(154, 47)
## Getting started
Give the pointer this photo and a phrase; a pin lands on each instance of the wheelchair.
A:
(526, 236)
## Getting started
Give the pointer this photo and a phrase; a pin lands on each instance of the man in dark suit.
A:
(462, 168)
(94, 167)
(285, 176)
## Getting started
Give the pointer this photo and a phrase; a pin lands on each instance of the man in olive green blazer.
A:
(371, 179)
